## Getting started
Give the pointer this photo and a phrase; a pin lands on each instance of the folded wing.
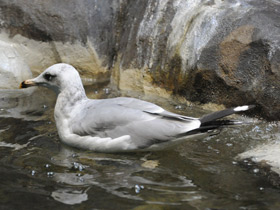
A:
(144, 122)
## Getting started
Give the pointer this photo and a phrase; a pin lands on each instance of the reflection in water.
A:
(69, 196)
(120, 175)
(25, 104)
(38, 170)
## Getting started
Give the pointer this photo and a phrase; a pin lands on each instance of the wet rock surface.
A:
(266, 159)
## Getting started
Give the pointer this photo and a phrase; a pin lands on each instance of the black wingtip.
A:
(220, 114)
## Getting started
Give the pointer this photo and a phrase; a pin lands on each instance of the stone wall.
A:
(225, 52)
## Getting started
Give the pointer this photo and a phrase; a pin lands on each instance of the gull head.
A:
(57, 77)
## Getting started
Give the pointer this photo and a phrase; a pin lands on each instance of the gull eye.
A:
(48, 76)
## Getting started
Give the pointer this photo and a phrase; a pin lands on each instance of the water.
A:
(38, 171)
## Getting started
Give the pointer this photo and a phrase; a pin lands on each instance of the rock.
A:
(13, 69)
(48, 32)
(210, 51)
(40, 55)
(207, 51)
(266, 158)
(37, 55)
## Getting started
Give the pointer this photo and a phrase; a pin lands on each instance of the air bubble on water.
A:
(261, 188)
(206, 139)
(256, 170)
(269, 128)
(229, 144)
(138, 188)
(33, 172)
(78, 166)
(50, 174)
(81, 168)
(47, 165)
(234, 163)
(257, 129)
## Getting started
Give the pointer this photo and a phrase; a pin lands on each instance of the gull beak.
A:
(27, 83)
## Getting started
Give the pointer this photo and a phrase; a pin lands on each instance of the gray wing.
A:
(145, 122)
(147, 107)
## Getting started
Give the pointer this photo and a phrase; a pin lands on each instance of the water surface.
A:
(38, 171)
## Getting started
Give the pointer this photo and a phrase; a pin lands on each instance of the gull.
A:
(119, 124)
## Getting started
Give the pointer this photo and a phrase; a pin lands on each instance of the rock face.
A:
(265, 157)
(217, 51)
(13, 68)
